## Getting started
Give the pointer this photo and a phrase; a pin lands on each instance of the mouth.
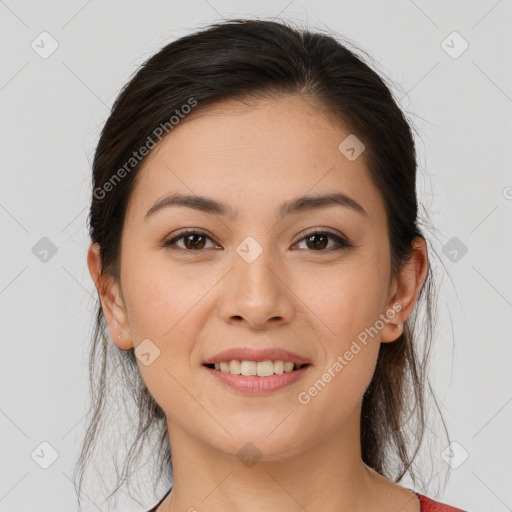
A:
(259, 377)
(265, 368)
(257, 371)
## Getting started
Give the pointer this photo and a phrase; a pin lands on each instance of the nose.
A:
(256, 293)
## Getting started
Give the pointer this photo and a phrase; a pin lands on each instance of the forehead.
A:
(254, 156)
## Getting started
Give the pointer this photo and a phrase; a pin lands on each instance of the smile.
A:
(255, 378)
(265, 368)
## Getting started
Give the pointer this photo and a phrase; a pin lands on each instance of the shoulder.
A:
(429, 505)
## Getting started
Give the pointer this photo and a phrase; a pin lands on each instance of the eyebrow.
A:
(294, 206)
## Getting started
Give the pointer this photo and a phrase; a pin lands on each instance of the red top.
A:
(426, 504)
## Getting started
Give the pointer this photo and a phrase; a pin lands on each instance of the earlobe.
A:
(405, 290)
(391, 331)
(111, 300)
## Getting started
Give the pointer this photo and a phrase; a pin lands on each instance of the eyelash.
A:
(342, 243)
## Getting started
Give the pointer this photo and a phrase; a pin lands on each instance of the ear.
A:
(404, 291)
(111, 300)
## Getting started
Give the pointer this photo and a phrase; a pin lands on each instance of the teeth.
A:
(278, 367)
(260, 368)
(234, 367)
(265, 368)
(246, 367)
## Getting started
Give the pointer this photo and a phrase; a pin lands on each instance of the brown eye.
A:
(316, 242)
(192, 241)
(319, 240)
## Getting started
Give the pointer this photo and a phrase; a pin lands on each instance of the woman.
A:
(256, 251)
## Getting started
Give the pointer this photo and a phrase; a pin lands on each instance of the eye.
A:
(193, 241)
(319, 241)
(196, 240)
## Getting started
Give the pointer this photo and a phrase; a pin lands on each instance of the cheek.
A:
(346, 306)
(346, 298)
(161, 297)
(166, 305)
(346, 302)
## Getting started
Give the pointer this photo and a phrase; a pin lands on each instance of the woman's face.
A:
(252, 277)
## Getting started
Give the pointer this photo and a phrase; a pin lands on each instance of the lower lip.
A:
(254, 385)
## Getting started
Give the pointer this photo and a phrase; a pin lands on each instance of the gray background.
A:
(52, 112)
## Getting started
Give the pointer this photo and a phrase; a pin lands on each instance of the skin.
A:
(311, 301)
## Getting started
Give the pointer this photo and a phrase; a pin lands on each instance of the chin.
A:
(261, 443)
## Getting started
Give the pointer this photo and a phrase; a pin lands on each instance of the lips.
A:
(257, 371)
(257, 355)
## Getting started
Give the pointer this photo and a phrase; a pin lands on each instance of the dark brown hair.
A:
(244, 59)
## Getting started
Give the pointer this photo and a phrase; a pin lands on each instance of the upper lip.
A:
(253, 354)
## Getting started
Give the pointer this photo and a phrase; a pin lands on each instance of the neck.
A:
(329, 476)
